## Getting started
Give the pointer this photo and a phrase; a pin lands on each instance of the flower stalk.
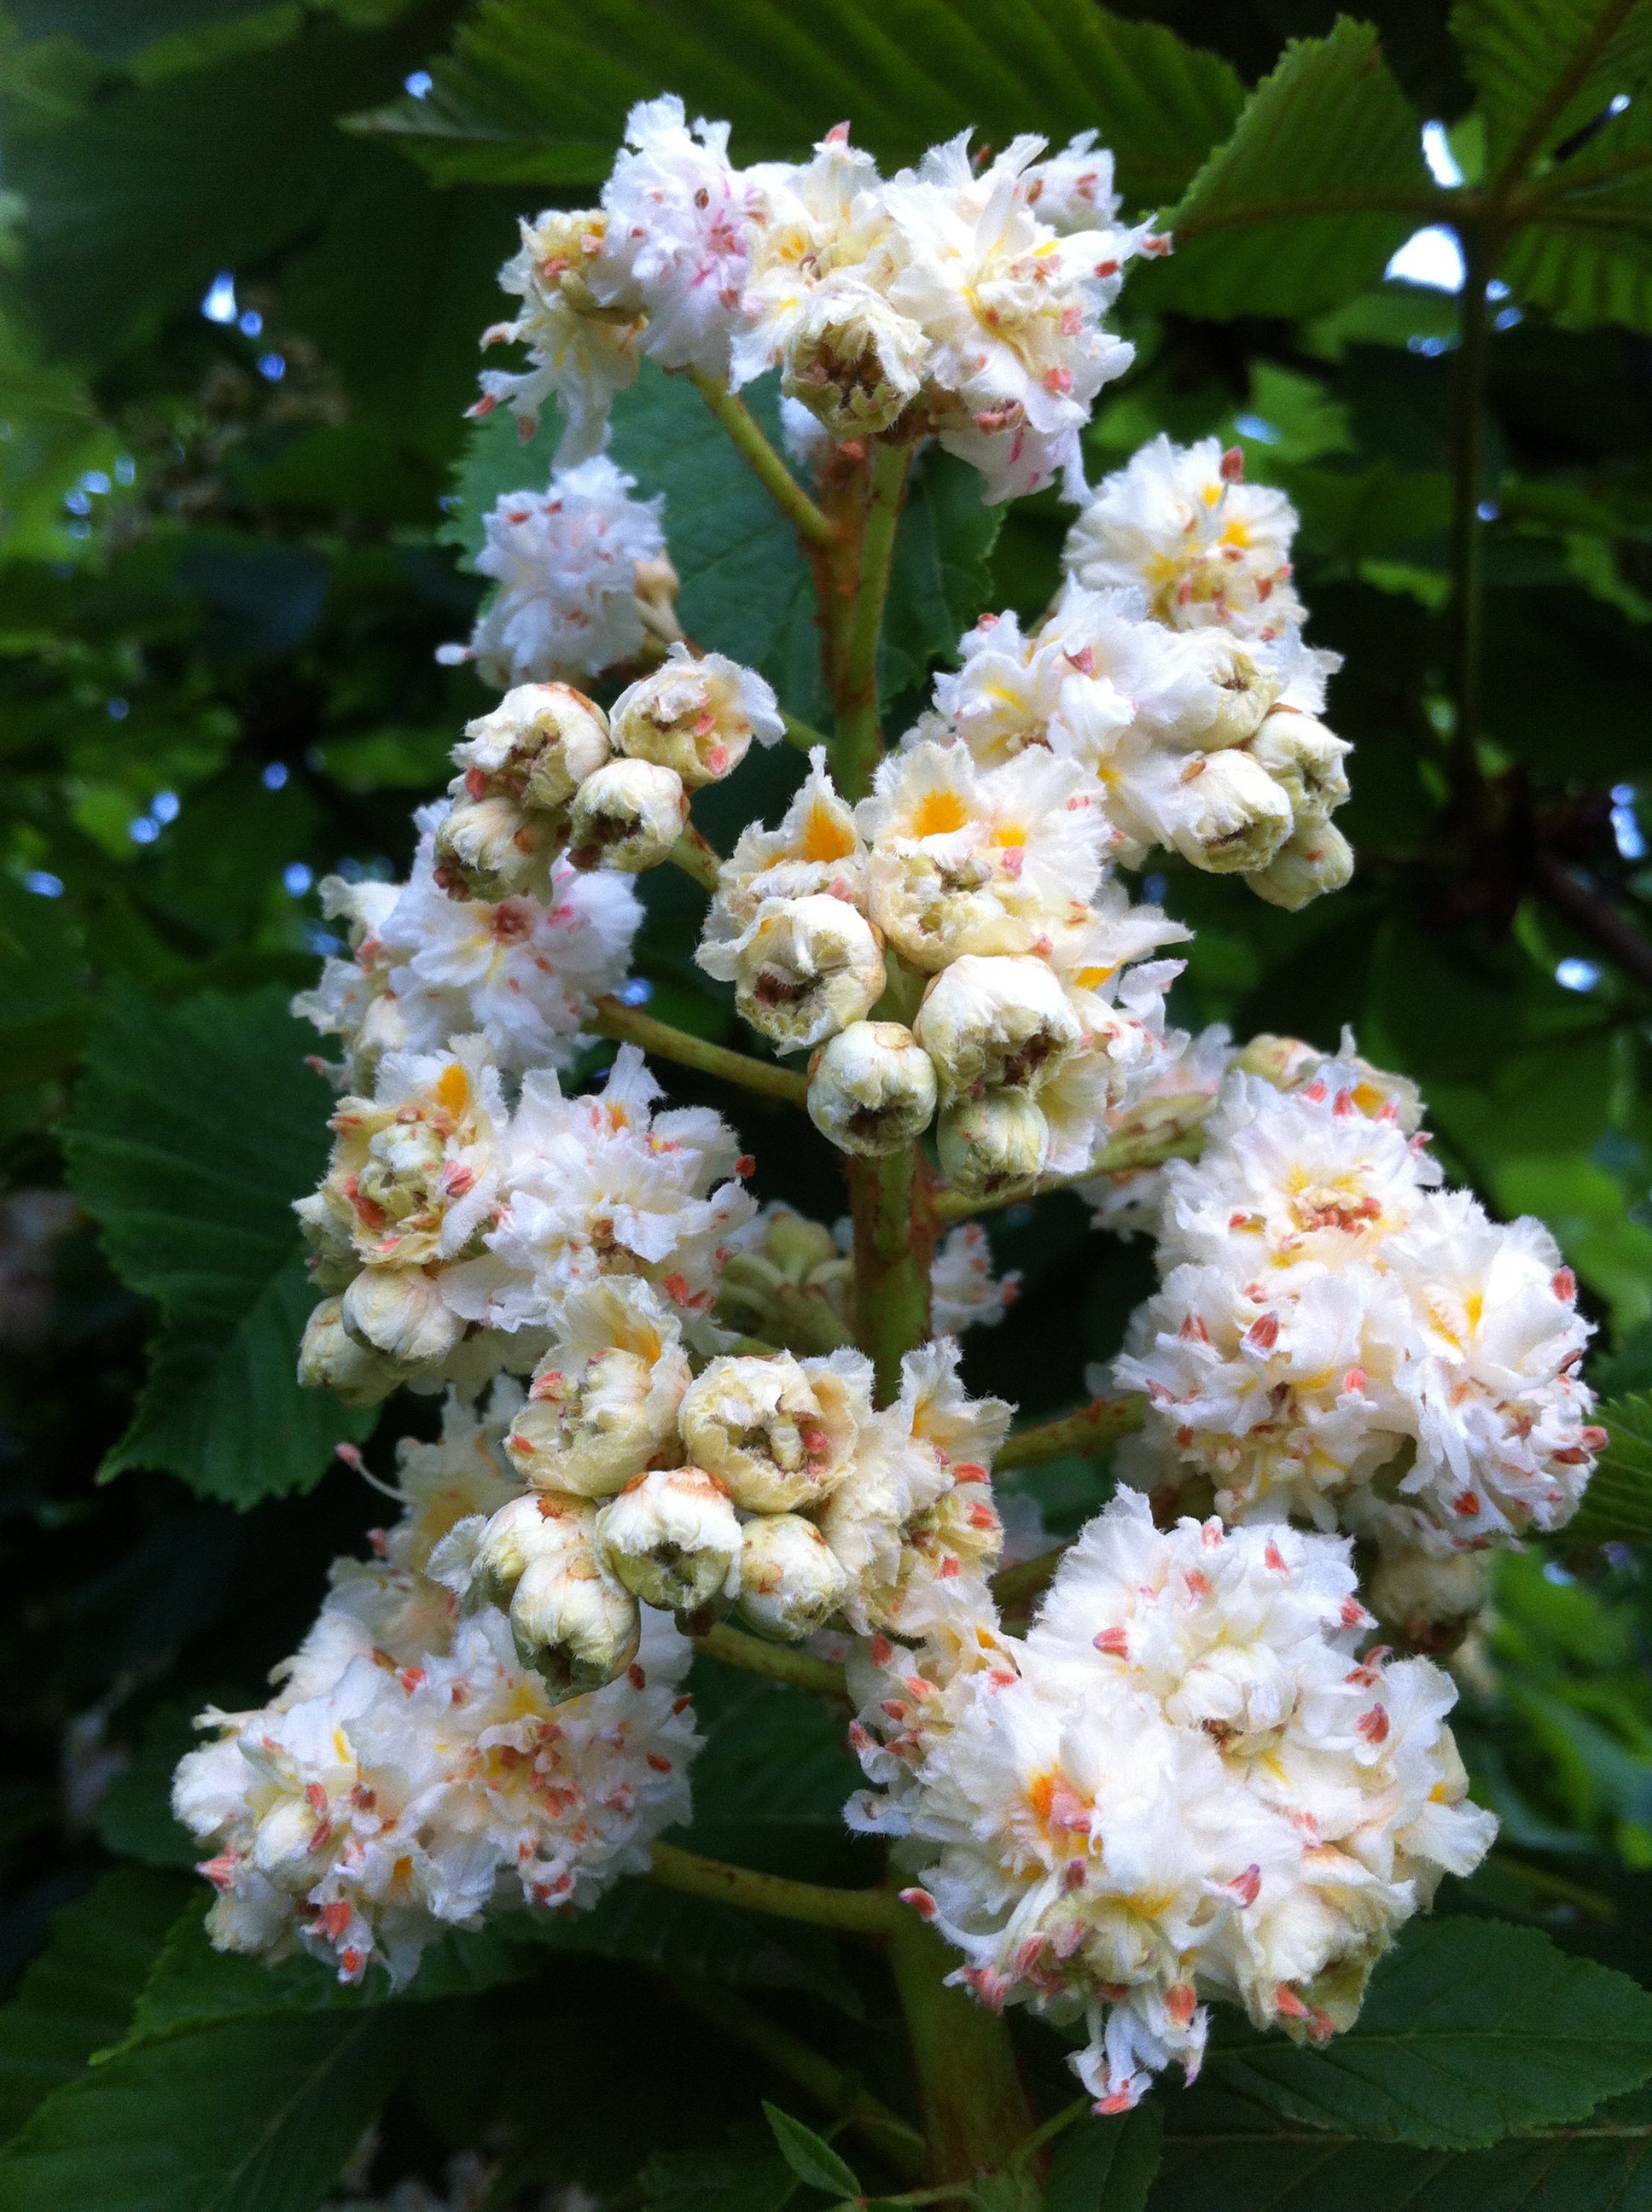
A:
(776, 1663)
(854, 1912)
(629, 1025)
(765, 464)
(858, 742)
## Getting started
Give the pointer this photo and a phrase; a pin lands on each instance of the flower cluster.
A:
(983, 893)
(764, 1482)
(450, 1230)
(409, 1774)
(1340, 1341)
(1192, 715)
(583, 576)
(958, 299)
(1182, 1785)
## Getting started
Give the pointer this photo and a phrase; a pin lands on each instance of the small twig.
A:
(765, 464)
(696, 858)
(778, 1662)
(1017, 1585)
(1074, 1435)
(631, 1026)
(856, 1911)
(1594, 916)
(858, 742)
(802, 734)
(1178, 1133)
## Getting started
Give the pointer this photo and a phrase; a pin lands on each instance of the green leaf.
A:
(134, 1815)
(538, 94)
(745, 2176)
(255, 2115)
(1470, 2029)
(1321, 179)
(941, 578)
(46, 1015)
(78, 1997)
(809, 2158)
(1107, 2165)
(1617, 1506)
(1544, 69)
(193, 1130)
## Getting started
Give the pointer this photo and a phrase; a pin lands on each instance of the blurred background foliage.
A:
(246, 253)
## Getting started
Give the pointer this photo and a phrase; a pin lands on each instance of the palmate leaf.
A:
(1471, 2029)
(1108, 2165)
(537, 91)
(192, 1131)
(1322, 177)
(1617, 1506)
(1546, 69)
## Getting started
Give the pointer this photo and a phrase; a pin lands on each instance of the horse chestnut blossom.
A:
(583, 579)
(1181, 1786)
(409, 1775)
(1191, 1780)
(1338, 1341)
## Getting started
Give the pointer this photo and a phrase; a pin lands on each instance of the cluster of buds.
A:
(585, 584)
(409, 1774)
(956, 300)
(763, 1483)
(977, 900)
(1338, 1341)
(1183, 1785)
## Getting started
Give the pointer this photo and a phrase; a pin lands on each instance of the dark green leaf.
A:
(1300, 210)
(1618, 1504)
(1471, 2029)
(745, 2177)
(77, 1997)
(1107, 2165)
(134, 1815)
(809, 2158)
(539, 94)
(194, 1129)
(1546, 69)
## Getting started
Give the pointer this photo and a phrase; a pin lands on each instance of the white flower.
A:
(582, 351)
(802, 969)
(525, 976)
(536, 746)
(565, 562)
(696, 716)
(967, 860)
(810, 227)
(675, 244)
(1180, 1786)
(816, 848)
(409, 1773)
(871, 1089)
(1192, 1069)
(603, 1403)
(627, 816)
(963, 1292)
(778, 1432)
(1180, 522)
(538, 1558)
(853, 360)
(353, 1000)
(998, 1024)
(602, 1184)
(791, 1583)
(672, 1537)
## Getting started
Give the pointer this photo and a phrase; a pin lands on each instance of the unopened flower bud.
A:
(871, 1089)
(1002, 1020)
(1245, 685)
(1305, 760)
(400, 1312)
(990, 1144)
(853, 361)
(1284, 1061)
(696, 717)
(791, 1581)
(797, 1246)
(627, 816)
(657, 587)
(673, 1538)
(603, 1403)
(330, 1358)
(496, 848)
(538, 745)
(806, 969)
(1223, 813)
(536, 1559)
(1431, 1603)
(1317, 858)
(779, 1432)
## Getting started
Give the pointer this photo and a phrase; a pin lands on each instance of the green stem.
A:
(858, 742)
(778, 1662)
(802, 734)
(696, 858)
(765, 464)
(891, 1265)
(1013, 1587)
(1467, 531)
(1177, 1133)
(630, 1025)
(1074, 1435)
(835, 2087)
(974, 2110)
(856, 1911)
